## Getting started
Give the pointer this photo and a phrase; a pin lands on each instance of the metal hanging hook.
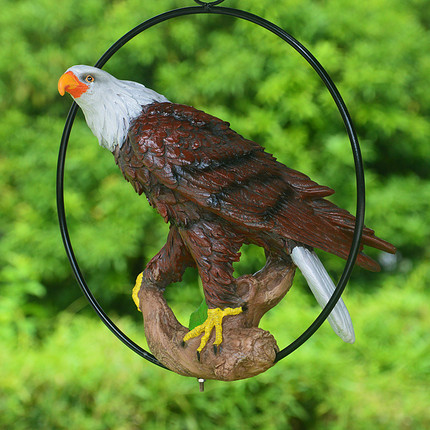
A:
(208, 4)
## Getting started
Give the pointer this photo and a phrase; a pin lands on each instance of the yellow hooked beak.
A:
(71, 84)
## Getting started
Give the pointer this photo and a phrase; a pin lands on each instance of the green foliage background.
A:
(60, 368)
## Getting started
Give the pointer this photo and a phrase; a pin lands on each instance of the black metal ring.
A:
(359, 171)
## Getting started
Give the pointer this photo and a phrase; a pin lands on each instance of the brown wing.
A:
(201, 158)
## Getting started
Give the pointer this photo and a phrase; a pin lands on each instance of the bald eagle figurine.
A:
(218, 191)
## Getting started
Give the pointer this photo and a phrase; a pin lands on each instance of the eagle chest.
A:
(132, 168)
(170, 205)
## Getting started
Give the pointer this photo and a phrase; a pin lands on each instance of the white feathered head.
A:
(109, 104)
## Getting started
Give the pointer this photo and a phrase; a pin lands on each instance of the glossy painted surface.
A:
(219, 190)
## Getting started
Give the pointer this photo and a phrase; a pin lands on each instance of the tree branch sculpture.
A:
(246, 350)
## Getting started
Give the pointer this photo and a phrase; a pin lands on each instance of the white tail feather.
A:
(322, 287)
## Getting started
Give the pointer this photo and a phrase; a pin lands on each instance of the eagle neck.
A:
(110, 115)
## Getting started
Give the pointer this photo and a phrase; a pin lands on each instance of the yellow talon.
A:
(214, 320)
(136, 289)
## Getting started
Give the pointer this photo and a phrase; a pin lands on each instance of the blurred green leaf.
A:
(199, 316)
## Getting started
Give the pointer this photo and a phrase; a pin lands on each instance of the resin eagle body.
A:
(198, 173)
(217, 190)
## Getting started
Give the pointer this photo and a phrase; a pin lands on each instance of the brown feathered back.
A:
(177, 154)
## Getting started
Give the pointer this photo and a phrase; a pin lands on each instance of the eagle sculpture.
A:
(218, 191)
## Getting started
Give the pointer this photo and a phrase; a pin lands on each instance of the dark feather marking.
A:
(227, 162)
(215, 199)
(200, 167)
(279, 205)
(177, 172)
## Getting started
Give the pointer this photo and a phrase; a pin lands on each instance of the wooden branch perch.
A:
(246, 349)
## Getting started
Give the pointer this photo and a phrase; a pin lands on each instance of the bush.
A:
(80, 376)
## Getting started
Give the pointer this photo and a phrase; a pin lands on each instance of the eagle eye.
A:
(89, 78)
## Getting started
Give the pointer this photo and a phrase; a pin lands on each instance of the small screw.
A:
(201, 384)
